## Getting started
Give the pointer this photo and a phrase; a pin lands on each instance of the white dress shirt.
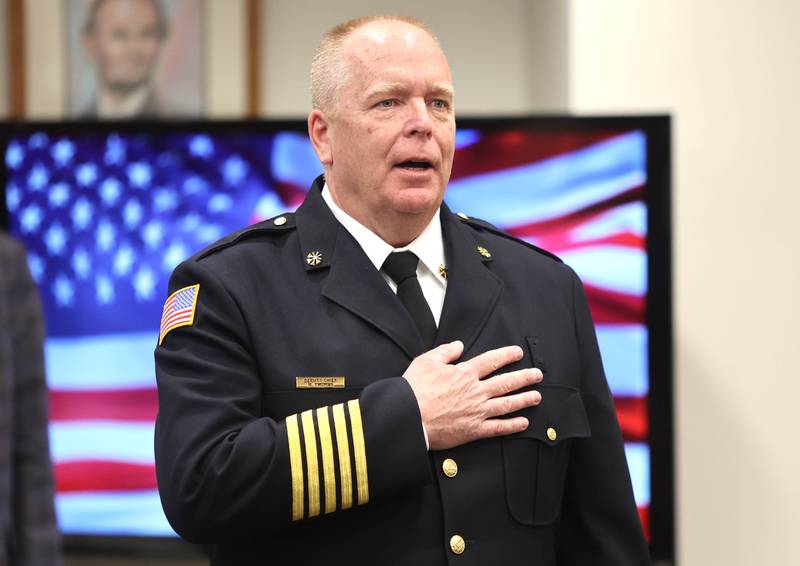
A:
(428, 247)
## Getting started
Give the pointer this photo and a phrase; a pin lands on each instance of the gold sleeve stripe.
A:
(328, 470)
(312, 468)
(296, 463)
(359, 451)
(345, 473)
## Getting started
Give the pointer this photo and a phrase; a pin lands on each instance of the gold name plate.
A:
(319, 382)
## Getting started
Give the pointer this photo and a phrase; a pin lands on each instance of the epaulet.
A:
(278, 224)
(486, 226)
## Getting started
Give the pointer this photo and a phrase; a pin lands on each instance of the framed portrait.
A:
(129, 59)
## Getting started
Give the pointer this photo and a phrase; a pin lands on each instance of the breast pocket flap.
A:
(535, 460)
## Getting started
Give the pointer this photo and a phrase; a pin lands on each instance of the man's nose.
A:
(419, 122)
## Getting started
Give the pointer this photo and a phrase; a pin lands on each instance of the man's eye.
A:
(439, 104)
(387, 103)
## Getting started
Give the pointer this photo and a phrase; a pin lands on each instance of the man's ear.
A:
(319, 133)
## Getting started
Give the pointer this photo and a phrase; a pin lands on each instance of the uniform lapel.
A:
(352, 281)
(472, 289)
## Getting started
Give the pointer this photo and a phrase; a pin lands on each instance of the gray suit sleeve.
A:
(37, 540)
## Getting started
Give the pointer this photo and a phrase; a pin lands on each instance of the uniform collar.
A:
(348, 277)
(428, 246)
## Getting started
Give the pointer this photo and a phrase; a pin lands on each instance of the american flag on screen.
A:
(106, 217)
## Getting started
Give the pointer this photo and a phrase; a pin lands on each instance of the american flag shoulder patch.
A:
(178, 310)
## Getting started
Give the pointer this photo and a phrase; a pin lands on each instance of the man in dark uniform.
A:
(375, 380)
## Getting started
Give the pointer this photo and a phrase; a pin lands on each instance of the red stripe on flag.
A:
(563, 242)
(289, 193)
(175, 318)
(632, 416)
(115, 405)
(103, 475)
(168, 306)
(576, 218)
(613, 307)
(644, 517)
(514, 148)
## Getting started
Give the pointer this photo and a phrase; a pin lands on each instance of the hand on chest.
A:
(330, 355)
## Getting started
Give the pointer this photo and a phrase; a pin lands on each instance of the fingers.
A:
(446, 353)
(502, 427)
(505, 383)
(500, 406)
(492, 360)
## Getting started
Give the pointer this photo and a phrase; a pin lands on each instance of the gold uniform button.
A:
(279, 221)
(450, 468)
(551, 434)
(457, 544)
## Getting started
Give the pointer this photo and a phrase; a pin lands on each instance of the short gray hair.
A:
(328, 68)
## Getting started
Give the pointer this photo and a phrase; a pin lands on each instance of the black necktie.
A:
(401, 267)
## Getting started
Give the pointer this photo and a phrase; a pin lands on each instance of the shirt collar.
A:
(428, 246)
(131, 105)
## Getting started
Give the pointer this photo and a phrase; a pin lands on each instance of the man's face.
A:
(125, 43)
(392, 133)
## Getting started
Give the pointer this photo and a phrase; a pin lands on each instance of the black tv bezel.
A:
(657, 129)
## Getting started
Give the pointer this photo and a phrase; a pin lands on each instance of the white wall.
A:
(44, 59)
(487, 43)
(226, 58)
(729, 71)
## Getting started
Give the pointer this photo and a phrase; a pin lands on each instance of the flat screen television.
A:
(107, 210)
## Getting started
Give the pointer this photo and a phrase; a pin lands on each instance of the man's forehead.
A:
(389, 34)
(394, 48)
(383, 33)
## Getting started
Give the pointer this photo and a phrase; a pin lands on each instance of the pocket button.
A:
(457, 544)
(450, 468)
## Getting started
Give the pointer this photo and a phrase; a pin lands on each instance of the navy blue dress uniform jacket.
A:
(286, 434)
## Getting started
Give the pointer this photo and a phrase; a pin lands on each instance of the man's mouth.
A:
(414, 165)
